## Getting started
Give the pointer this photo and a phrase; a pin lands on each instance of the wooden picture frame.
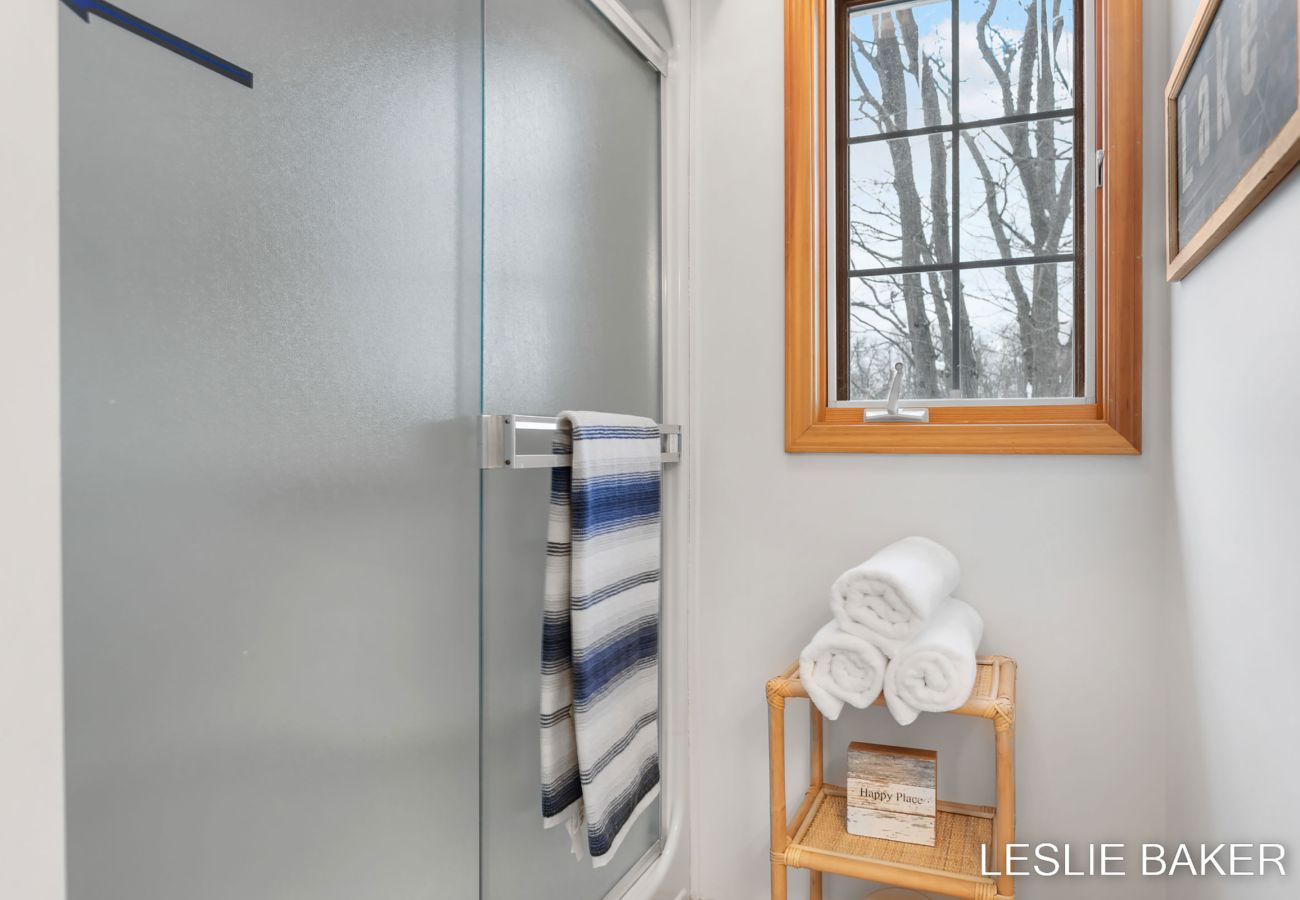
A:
(1190, 242)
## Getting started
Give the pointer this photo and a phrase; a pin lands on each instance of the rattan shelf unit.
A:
(816, 839)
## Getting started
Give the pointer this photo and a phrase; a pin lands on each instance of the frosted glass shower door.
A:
(270, 394)
(284, 309)
(571, 320)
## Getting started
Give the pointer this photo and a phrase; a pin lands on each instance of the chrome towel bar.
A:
(501, 450)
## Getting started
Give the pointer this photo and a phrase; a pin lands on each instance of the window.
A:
(960, 194)
(947, 219)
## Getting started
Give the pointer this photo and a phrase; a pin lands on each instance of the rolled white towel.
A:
(889, 597)
(838, 668)
(935, 672)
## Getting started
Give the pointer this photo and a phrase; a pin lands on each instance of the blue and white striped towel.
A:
(600, 640)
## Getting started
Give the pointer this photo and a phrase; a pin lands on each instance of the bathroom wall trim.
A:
(31, 666)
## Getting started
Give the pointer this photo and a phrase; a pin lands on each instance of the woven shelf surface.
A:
(985, 681)
(960, 832)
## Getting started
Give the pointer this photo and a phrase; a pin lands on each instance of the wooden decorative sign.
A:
(892, 792)
(1232, 121)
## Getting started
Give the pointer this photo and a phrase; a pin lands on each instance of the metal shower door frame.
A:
(662, 873)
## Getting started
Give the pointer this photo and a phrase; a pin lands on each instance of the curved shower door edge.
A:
(663, 873)
(637, 36)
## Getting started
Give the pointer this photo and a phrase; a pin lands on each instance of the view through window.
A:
(960, 199)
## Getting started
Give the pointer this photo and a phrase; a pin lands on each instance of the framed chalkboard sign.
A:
(1232, 121)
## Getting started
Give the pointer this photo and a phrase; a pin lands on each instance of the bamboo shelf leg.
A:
(776, 738)
(1005, 822)
(815, 746)
(817, 762)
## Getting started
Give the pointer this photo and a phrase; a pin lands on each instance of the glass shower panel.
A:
(270, 390)
(570, 321)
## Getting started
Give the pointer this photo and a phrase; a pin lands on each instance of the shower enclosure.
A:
(302, 626)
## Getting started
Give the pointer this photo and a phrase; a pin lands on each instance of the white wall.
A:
(31, 703)
(1065, 556)
(1235, 669)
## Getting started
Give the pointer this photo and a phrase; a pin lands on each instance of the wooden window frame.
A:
(1111, 425)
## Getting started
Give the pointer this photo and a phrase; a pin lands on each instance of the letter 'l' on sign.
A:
(181, 47)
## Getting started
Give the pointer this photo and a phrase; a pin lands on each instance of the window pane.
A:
(899, 198)
(1017, 56)
(1017, 190)
(1018, 339)
(899, 318)
(1013, 336)
(899, 59)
